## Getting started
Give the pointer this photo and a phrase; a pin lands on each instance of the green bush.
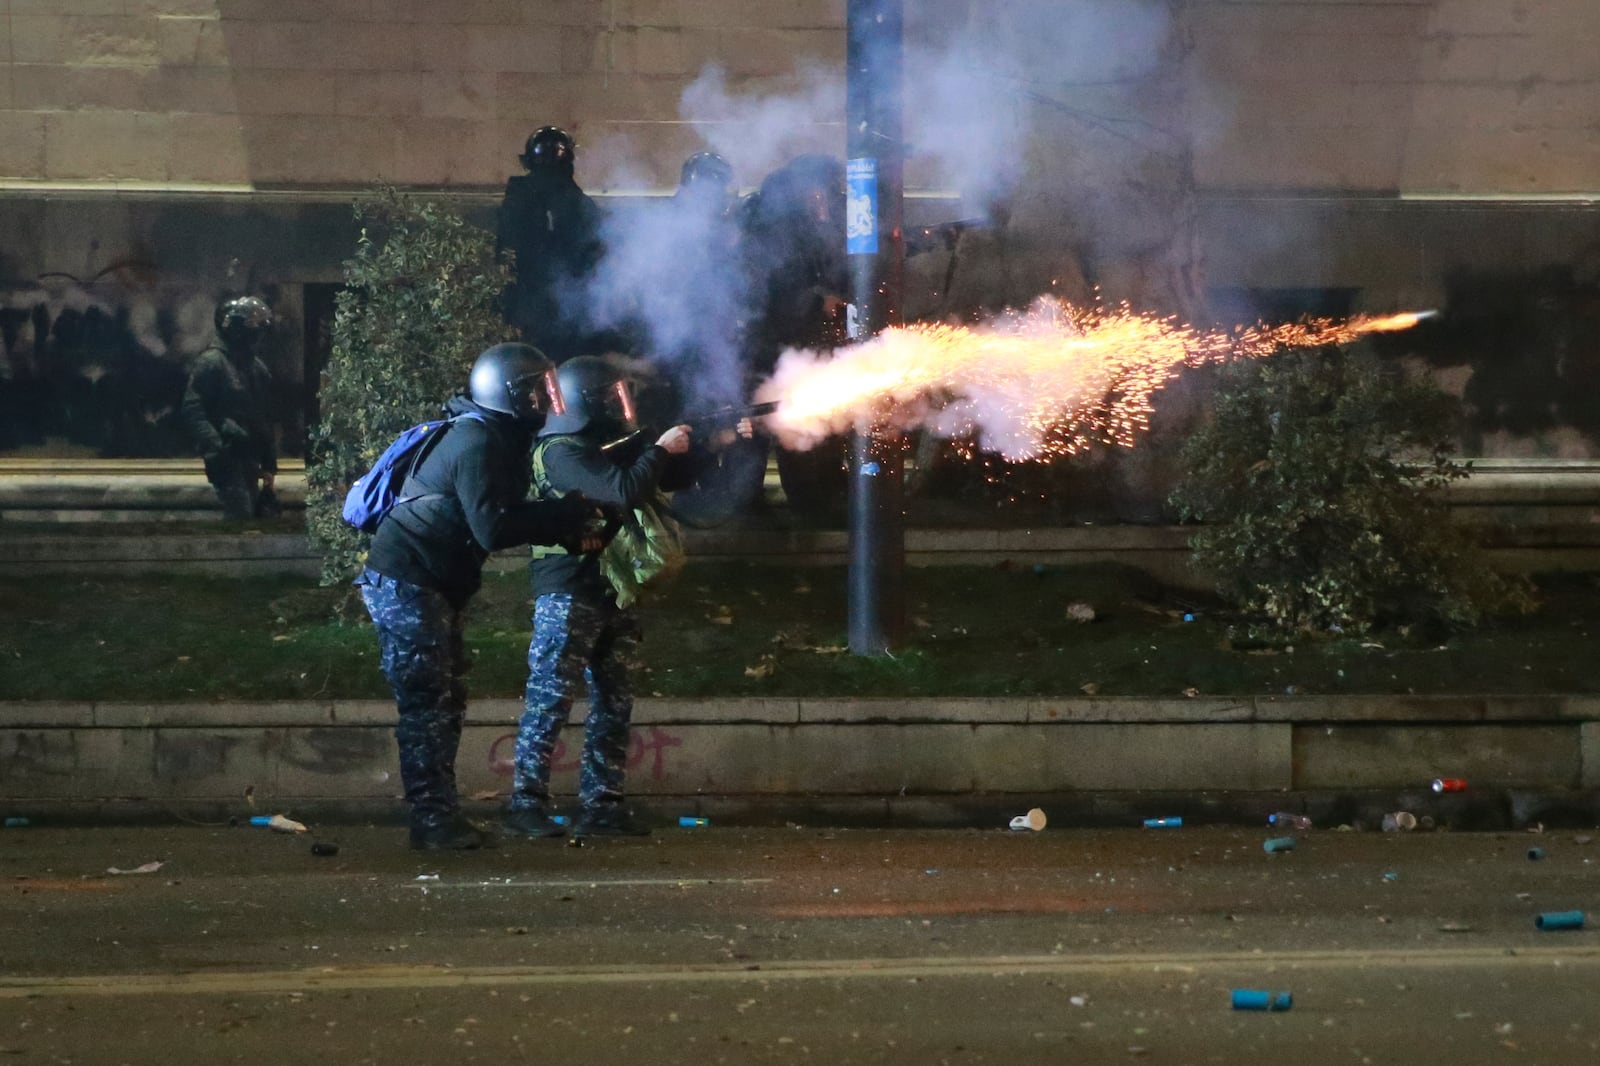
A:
(1318, 481)
(418, 306)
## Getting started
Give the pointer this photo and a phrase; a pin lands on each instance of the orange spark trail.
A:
(1051, 381)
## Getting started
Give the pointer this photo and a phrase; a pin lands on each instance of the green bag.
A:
(647, 550)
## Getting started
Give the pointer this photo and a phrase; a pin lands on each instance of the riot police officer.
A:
(553, 229)
(227, 409)
(465, 499)
(581, 637)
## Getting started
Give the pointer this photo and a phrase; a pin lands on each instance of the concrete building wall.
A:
(1393, 153)
(1417, 96)
(1453, 96)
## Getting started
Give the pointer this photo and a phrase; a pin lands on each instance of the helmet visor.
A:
(611, 403)
(538, 394)
(618, 400)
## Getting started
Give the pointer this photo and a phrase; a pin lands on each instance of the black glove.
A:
(575, 517)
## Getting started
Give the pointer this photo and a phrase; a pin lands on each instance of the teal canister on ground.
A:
(1278, 844)
(1553, 920)
(1261, 999)
(689, 821)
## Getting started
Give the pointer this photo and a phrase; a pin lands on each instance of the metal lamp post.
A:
(875, 244)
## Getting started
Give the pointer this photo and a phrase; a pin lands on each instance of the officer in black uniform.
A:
(553, 228)
(226, 406)
(426, 561)
(794, 253)
(581, 638)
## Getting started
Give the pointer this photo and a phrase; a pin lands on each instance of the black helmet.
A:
(550, 147)
(595, 392)
(517, 380)
(242, 321)
(706, 168)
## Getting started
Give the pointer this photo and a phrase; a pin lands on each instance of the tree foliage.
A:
(418, 306)
(1318, 479)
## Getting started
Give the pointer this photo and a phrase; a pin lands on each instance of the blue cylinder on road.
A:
(1260, 999)
(1559, 920)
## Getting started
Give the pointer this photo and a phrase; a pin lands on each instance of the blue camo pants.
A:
(577, 642)
(422, 653)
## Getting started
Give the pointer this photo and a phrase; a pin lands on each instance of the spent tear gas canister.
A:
(1163, 823)
(1278, 844)
(1559, 920)
(1260, 999)
(689, 821)
(1449, 784)
(1535, 854)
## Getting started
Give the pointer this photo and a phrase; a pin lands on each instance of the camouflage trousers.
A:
(577, 642)
(423, 655)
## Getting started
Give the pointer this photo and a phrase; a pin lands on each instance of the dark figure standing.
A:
(794, 253)
(226, 406)
(469, 498)
(553, 228)
(581, 638)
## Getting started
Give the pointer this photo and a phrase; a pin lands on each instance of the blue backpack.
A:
(377, 492)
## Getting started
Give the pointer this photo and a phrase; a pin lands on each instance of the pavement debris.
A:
(1034, 820)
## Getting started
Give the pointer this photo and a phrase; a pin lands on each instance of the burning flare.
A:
(1050, 381)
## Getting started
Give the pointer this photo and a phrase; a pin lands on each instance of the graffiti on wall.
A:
(647, 753)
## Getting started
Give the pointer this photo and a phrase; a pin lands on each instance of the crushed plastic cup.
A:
(1278, 844)
(1261, 999)
(1163, 823)
(1034, 820)
(1553, 920)
(1285, 820)
(1399, 821)
(689, 821)
(1449, 784)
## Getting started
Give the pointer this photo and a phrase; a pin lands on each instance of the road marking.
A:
(331, 979)
(434, 886)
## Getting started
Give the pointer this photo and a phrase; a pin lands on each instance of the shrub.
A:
(418, 306)
(1318, 479)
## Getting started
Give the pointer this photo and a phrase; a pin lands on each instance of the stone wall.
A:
(1244, 158)
(1457, 96)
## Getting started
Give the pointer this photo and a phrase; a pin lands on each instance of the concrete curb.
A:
(881, 759)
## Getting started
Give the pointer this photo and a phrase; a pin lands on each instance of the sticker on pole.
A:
(861, 209)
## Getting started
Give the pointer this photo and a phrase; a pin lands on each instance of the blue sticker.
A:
(870, 469)
(861, 209)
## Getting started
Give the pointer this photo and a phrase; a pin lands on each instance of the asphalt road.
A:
(800, 945)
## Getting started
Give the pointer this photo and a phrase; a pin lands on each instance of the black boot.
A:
(607, 822)
(530, 823)
(449, 833)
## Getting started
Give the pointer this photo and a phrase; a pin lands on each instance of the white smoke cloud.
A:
(757, 133)
(975, 89)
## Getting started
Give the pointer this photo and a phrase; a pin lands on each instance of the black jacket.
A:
(615, 480)
(479, 471)
(226, 406)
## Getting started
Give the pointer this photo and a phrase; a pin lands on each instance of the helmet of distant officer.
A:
(243, 322)
(706, 178)
(550, 148)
